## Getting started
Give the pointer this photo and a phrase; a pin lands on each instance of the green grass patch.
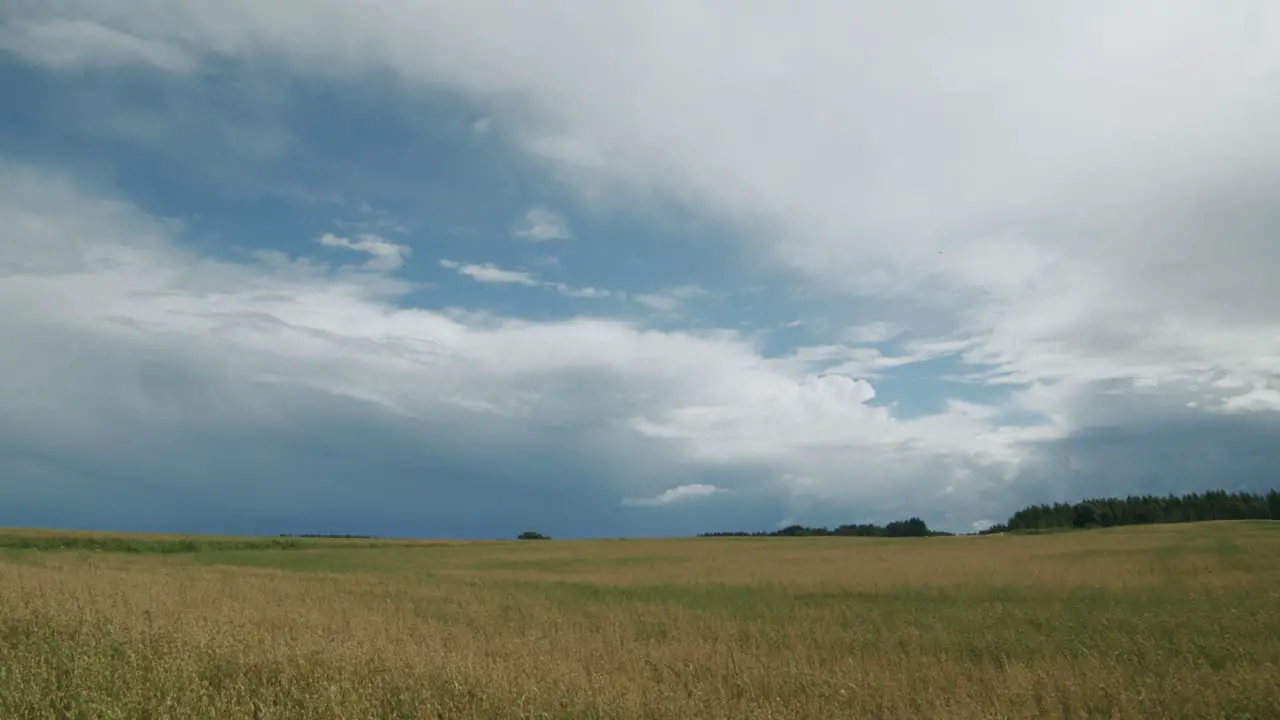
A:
(996, 625)
(158, 546)
(296, 560)
(186, 545)
(572, 564)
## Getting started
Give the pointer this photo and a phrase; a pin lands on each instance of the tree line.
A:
(1090, 513)
(912, 527)
(1145, 510)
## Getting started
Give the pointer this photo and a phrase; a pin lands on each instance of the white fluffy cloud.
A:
(541, 223)
(386, 255)
(491, 274)
(873, 333)
(671, 300)
(674, 495)
(494, 275)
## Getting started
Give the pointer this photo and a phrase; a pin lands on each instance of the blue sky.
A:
(466, 269)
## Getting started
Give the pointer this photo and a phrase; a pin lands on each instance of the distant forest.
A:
(1091, 513)
(1145, 510)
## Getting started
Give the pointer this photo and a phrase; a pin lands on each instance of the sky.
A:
(638, 268)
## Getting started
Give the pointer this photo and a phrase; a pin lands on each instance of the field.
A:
(1173, 621)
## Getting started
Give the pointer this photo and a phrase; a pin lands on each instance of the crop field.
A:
(1169, 621)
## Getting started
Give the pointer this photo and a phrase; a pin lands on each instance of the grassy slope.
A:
(1179, 621)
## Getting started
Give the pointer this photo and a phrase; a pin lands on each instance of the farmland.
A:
(1168, 621)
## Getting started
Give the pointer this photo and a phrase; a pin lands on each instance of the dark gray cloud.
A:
(160, 444)
(1177, 453)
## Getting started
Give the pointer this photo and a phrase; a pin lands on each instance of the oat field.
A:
(1174, 621)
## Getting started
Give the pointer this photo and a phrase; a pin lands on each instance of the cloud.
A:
(1075, 206)
(385, 255)
(682, 493)
(1258, 399)
(582, 292)
(873, 333)
(79, 44)
(373, 221)
(671, 300)
(491, 275)
(541, 223)
(494, 275)
(1005, 185)
(203, 347)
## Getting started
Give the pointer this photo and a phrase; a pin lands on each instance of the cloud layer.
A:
(1074, 206)
(95, 271)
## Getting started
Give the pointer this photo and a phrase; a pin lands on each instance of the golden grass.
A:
(1156, 622)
